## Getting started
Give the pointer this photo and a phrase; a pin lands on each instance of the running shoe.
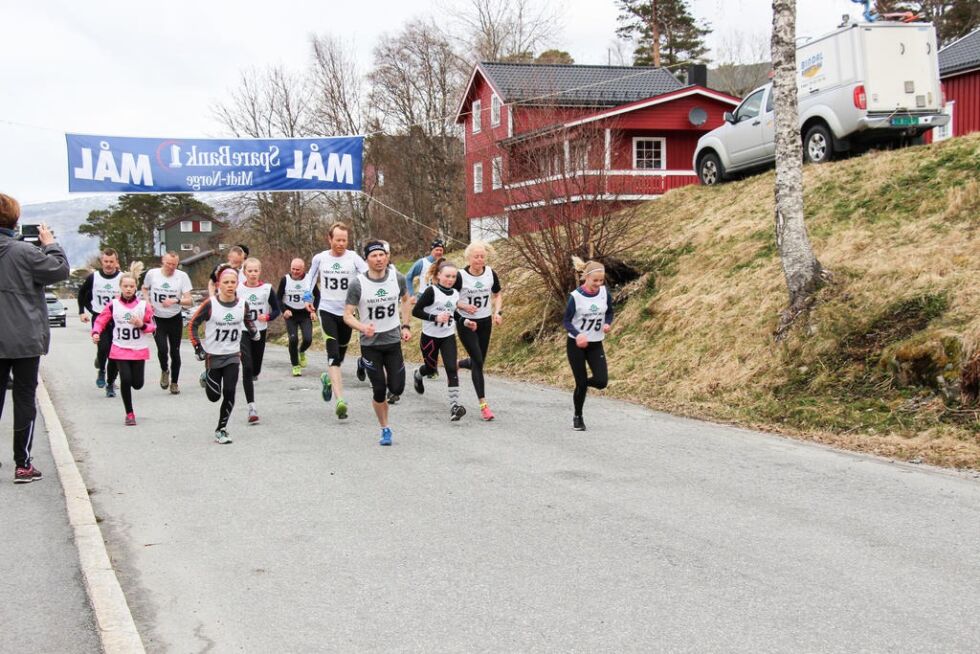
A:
(485, 412)
(174, 388)
(253, 416)
(100, 380)
(419, 384)
(393, 399)
(110, 390)
(456, 412)
(297, 371)
(434, 376)
(221, 437)
(26, 475)
(327, 390)
(341, 409)
(130, 420)
(385, 436)
(360, 373)
(578, 424)
(165, 379)
(302, 359)
(204, 379)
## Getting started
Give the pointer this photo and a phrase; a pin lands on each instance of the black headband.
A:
(373, 246)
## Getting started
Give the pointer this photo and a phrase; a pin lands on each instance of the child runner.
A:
(478, 286)
(588, 317)
(97, 291)
(334, 271)
(130, 319)
(375, 296)
(225, 320)
(297, 314)
(263, 307)
(167, 290)
(436, 308)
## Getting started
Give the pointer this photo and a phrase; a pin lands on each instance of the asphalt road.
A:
(646, 533)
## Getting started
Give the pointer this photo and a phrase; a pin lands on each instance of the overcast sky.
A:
(155, 69)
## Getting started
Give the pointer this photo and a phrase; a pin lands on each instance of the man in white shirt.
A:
(167, 290)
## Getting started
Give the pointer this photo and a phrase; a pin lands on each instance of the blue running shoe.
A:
(110, 390)
(327, 390)
(361, 373)
(100, 380)
(385, 436)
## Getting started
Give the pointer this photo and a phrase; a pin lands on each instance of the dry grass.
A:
(900, 232)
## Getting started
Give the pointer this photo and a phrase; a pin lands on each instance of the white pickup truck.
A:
(863, 84)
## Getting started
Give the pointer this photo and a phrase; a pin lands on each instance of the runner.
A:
(478, 284)
(225, 319)
(375, 296)
(263, 307)
(297, 314)
(167, 290)
(421, 267)
(436, 307)
(235, 258)
(335, 271)
(98, 290)
(588, 317)
(130, 320)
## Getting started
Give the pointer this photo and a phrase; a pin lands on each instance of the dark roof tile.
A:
(962, 54)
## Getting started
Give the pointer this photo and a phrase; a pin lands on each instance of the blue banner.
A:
(143, 165)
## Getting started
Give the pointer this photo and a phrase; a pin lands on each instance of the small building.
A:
(959, 70)
(543, 141)
(189, 235)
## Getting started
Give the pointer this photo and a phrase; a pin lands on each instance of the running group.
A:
(344, 292)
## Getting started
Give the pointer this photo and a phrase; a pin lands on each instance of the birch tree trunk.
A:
(802, 271)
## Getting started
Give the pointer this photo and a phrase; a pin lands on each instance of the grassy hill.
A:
(877, 368)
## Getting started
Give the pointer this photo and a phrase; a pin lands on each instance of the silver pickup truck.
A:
(862, 85)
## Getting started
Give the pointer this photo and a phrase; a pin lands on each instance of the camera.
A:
(31, 233)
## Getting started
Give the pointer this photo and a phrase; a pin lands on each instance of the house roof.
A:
(960, 55)
(572, 85)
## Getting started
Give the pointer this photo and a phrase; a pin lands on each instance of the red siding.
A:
(965, 91)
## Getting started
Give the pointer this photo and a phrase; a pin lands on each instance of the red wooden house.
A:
(959, 70)
(544, 142)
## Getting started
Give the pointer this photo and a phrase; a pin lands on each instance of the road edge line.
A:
(114, 620)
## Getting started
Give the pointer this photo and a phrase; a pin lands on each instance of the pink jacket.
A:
(121, 353)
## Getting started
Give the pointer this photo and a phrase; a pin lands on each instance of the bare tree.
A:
(273, 104)
(416, 83)
(495, 30)
(742, 62)
(804, 274)
(340, 107)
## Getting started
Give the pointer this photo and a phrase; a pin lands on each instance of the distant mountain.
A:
(64, 218)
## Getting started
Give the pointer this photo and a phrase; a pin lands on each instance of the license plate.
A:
(902, 121)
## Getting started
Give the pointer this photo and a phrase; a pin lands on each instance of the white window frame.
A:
(478, 177)
(496, 172)
(946, 131)
(476, 112)
(187, 225)
(205, 225)
(186, 247)
(494, 111)
(663, 151)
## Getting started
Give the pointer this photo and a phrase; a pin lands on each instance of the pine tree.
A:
(680, 37)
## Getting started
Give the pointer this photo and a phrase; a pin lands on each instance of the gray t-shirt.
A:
(354, 297)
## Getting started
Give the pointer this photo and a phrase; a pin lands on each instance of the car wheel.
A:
(818, 145)
(710, 171)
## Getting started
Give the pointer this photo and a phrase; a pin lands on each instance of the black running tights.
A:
(302, 323)
(476, 344)
(595, 357)
(431, 348)
(102, 360)
(25, 409)
(130, 379)
(252, 354)
(386, 369)
(221, 383)
(167, 337)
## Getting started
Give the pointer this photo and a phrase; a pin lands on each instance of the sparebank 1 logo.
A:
(594, 308)
(335, 267)
(253, 298)
(130, 169)
(229, 317)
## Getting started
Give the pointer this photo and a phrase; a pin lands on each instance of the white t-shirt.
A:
(334, 275)
(160, 287)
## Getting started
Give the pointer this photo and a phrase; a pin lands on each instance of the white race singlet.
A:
(335, 275)
(379, 303)
(590, 312)
(258, 303)
(441, 303)
(223, 330)
(293, 295)
(125, 335)
(104, 290)
(477, 290)
(161, 288)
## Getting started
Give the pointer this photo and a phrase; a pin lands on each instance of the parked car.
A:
(863, 84)
(57, 312)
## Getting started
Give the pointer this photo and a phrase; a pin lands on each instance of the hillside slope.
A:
(877, 368)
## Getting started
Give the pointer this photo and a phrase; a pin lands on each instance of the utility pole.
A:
(655, 33)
